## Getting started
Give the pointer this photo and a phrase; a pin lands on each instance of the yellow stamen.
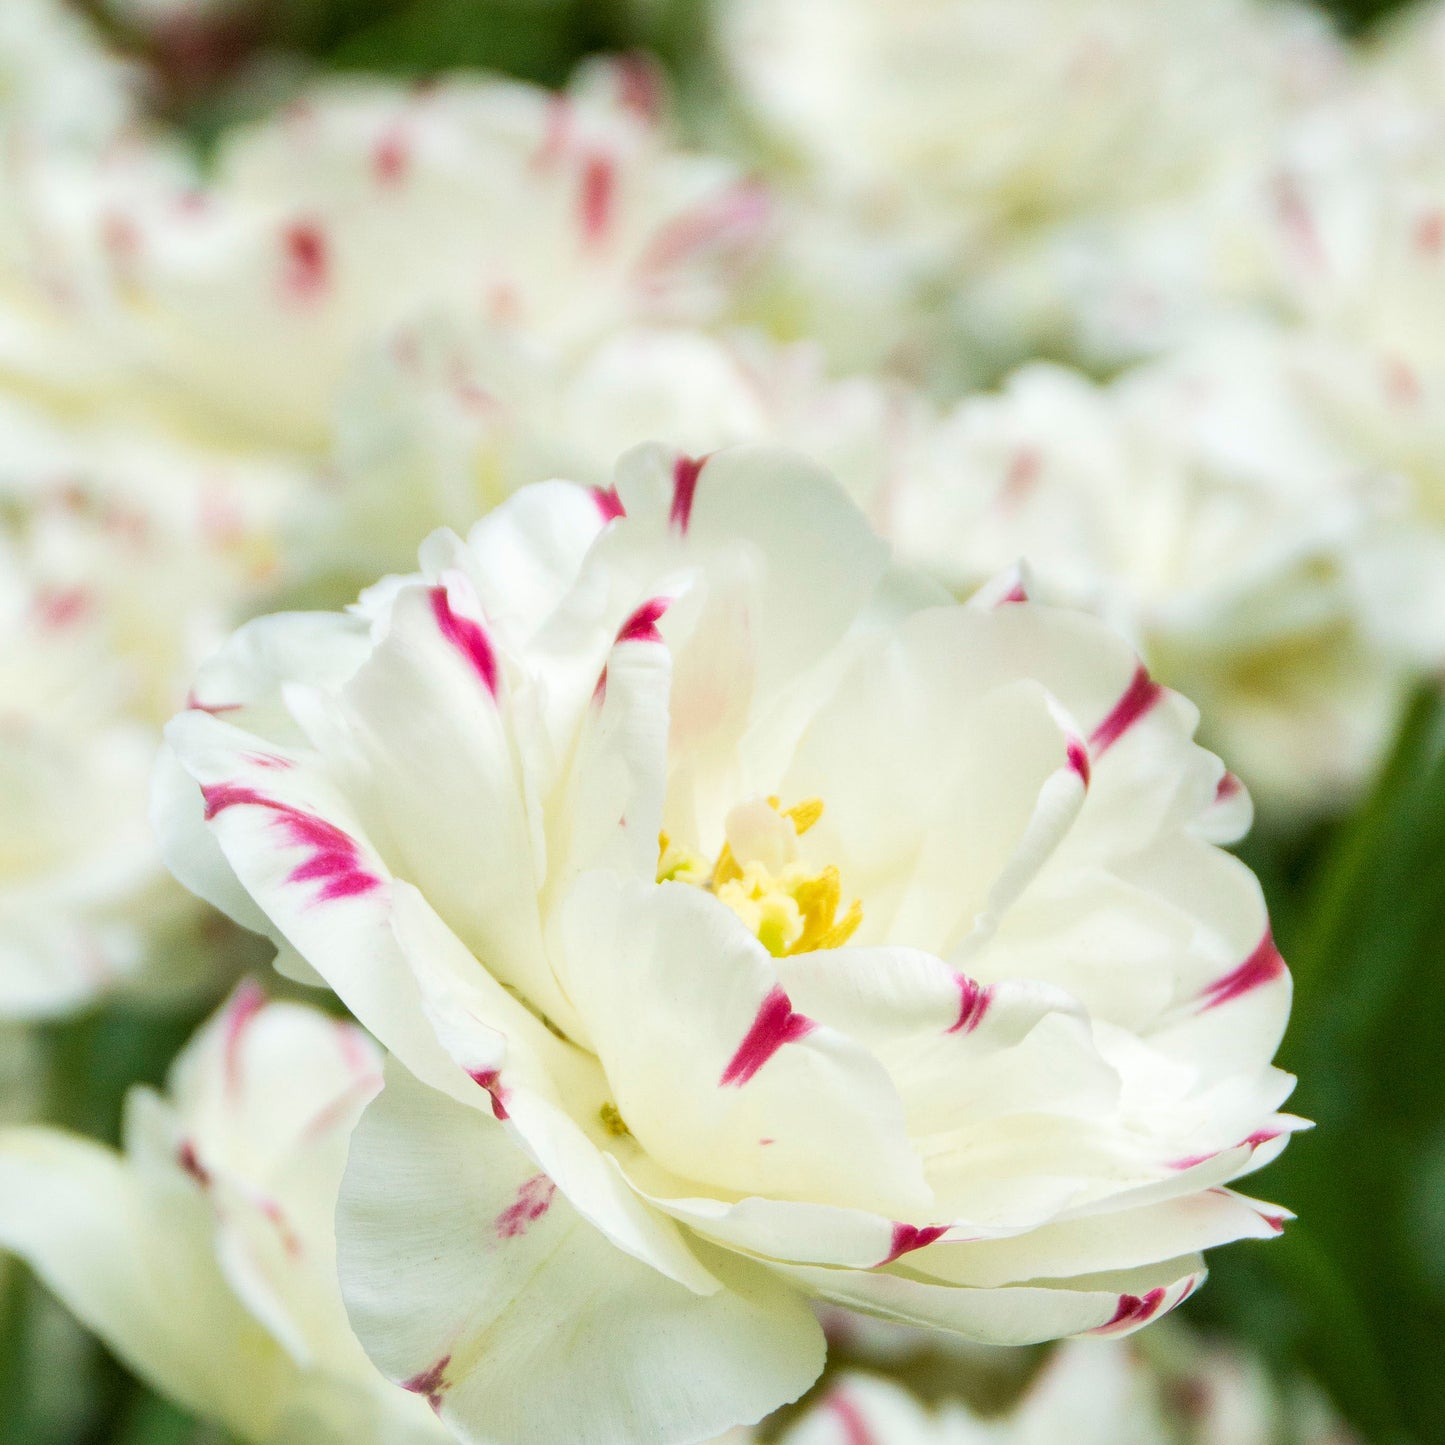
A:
(804, 814)
(613, 1121)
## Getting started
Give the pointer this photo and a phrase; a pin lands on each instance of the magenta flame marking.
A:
(213, 708)
(491, 1081)
(391, 159)
(431, 1383)
(56, 609)
(908, 1237)
(608, 503)
(1262, 966)
(1133, 1310)
(289, 1240)
(597, 197)
(1229, 787)
(189, 1160)
(737, 216)
(856, 1430)
(1193, 1160)
(335, 858)
(1262, 1136)
(642, 625)
(973, 1003)
(1141, 695)
(534, 1199)
(599, 693)
(467, 637)
(775, 1025)
(308, 261)
(684, 488)
(1078, 756)
(246, 1003)
(640, 85)
(1016, 593)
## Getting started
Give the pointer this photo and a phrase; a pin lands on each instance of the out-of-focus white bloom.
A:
(1197, 505)
(932, 999)
(1094, 1393)
(446, 422)
(559, 216)
(122, 563)
(204, 1256)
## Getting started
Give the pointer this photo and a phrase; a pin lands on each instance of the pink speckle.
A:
(639, 85)
(189, 1160)
(62, 607)
(467, 636)
(491, 1081)
(1430, 233)
(685, 473)
(307, 260)
(856, 1430)
(213, 708)
(270, 760)
(1016, 593)
(430, 1383)
(534, 1199)
(1402, 382)
(391, 159)
(1139, 697)
(908, 1237)
(1022, 476)
(335, 858)
(608, 503)
(1229, 787)
(1078, 757)
(641, 626)
(973, 1001)
(775, 1025)
(597, 197)
(1133, 1310)
(1263, 966)
(766, 1142)
(246, 1003)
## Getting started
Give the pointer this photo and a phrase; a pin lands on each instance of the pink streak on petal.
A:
(335, 858)
(1133, 1310)
(1262, 967)
(56, 609)
(270, 760)
(973, 1001)
(308, 261)
(640, 88)
(189, 1160)
(1229, 787)
(1015, 593)
(684, 488)
(596, 201)
(1193, 1160)
(391, 159)
(1262, 1136)
(467, 637)
(534, 1199)
(246, 1003)
(642, 625)
(908, 1237)
(1141, 695)
(856, 1430)
(194, 704)
(737, 216)
(608, 503)
(775, 1025)
(1078, 756)
(491, 1081)
(599, 693)
(430, 1383)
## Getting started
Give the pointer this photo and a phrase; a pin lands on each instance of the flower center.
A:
(789, 905)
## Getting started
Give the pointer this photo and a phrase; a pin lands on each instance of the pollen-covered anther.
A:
(791, 905)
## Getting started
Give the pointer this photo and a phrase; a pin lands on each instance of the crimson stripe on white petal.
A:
(775, 1025)
(856, 1430)
(1078, 756)
(534, 1199)
(335, 859)
(1262, 967)
(431, 1384)
(596, 198)
(1138, 698)
(685, 473)
(246, 1003)
(1136, 1310)
(641, 626)
(609, 504)
(491, 1081)
(908, 1237)
(467, 636)
(973, 1003)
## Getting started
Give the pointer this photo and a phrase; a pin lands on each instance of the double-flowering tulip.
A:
(749, 925)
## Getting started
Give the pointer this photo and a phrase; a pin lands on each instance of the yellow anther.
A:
(804, 814)
(791, 911)
(613, 1121)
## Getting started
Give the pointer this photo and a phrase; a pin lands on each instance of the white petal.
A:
(471, 1282)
